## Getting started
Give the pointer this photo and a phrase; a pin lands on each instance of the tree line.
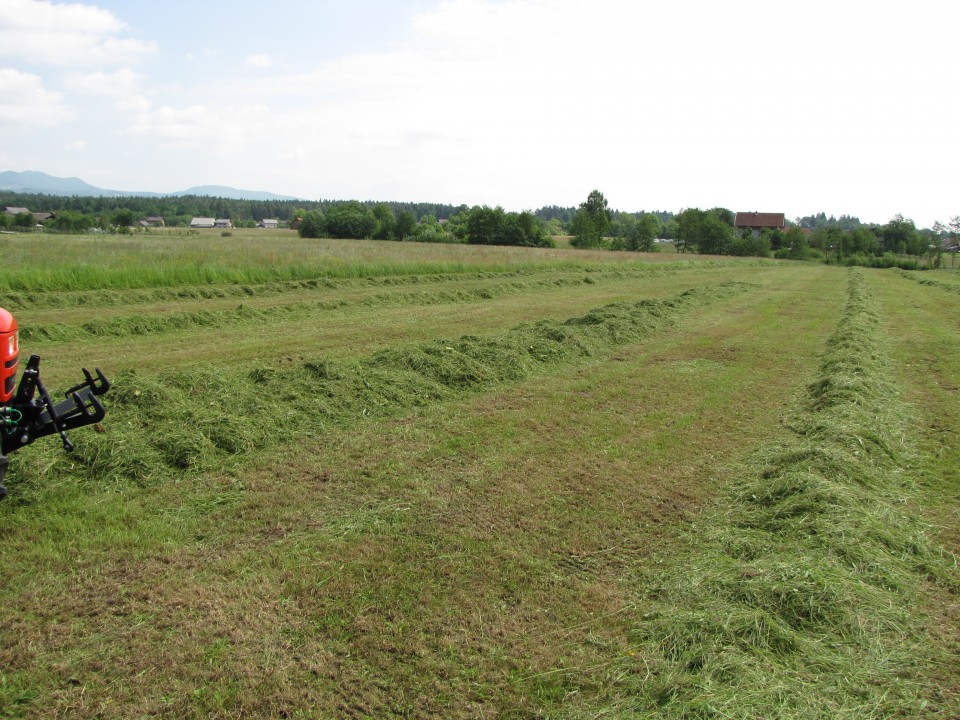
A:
(592, 224)
(177, 211)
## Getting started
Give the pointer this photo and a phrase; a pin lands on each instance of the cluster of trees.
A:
(355, 220)
(594, 225)
(479, 225)
(882, 245)
(21, 221)
(494, 226)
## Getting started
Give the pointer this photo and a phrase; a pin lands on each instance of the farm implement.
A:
(27, 412)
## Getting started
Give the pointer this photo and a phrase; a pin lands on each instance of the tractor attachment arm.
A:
(32, 414)
(39, 417)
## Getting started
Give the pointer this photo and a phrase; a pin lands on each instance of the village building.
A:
(202, 222)
(758, 221)
(269, 223)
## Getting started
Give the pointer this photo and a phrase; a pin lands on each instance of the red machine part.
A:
(9, 355)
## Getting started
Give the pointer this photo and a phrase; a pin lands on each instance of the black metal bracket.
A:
(39, 416)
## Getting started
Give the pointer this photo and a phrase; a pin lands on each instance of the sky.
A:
(839, 106)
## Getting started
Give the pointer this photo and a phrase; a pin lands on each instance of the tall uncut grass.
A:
(801, 601)
(56, 263)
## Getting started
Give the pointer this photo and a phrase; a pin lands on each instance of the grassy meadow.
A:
(347, 479)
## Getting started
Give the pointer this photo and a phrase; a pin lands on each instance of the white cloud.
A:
(259, 60)
(76, 146)
(120, 83)
(134, 104)
(66, 34)
(214, 129)
(27, 103)
(206, 53)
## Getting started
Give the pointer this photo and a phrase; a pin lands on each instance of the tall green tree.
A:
(860, 241)
(724, 215)
(716, 236)
(643, 238)
(524, 229)
(386, 222)
(123, 217)
(312, 224)
(406, 225)
(485, 225)
(795, 243)
(591, 222)
(900, 236)
(72, 221)
(689, 229)
(457, 224)
(352, 220)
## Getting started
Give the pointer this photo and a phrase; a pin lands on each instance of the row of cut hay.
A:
(179, 321)
(801, 600)
(210, 418)
(13, 300)
(951, 285)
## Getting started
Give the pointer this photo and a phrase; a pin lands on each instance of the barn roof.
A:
(759, 220)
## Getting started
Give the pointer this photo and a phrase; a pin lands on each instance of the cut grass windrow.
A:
(140, 323)
(800, 600)
(924, 279)
(216, 417)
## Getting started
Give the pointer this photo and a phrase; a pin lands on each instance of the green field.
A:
(349, 479)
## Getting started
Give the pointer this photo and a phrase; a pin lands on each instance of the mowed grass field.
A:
(374, 480)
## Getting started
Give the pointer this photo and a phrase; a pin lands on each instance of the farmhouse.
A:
(269, 223)
(221, 223)
(15, 210)
(757, 221)
(202, 222)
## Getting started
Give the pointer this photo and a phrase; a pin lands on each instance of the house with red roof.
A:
(757, 221)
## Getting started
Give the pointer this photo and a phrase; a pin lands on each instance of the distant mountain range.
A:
(32, 181)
